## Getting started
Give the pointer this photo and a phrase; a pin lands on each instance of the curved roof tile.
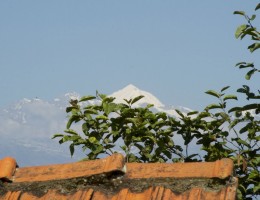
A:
(112, 178)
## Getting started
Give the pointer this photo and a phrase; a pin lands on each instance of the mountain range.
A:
(28, 125)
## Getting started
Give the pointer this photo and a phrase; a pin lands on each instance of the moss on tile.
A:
(113, 183)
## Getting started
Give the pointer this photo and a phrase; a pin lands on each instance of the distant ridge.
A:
(131, 91)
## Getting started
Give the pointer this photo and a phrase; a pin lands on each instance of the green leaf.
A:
(213, 93)
(235, 109)
(189, 158)
(57, 135)
(242, 90)
(253, 17)
(86, 98)
(72, 108)
(239, 141)
(223, 115)
(73, 118)
(92, 140)
(70, 131)
(212, 106)
(239, 13)
(225, 88)
(128, 101)
(253, 174)
(249, 74)
(240, 63)
(246, 65)
(99, 149)
(72, 149)
(108, 100)
(103, 117)
(109, 107)
(203, 115)
(224, 133)
(192, 113)
(149, 106)
(240, 30)
(254, 47)
(179, 113)
(101, 96)
(168, 154)
(257, 7)
(249, 32)
(64, 139)
(90, 111)
(233, 123)
(256, 188)
(257, 138)
(137, 99)
(85, 128)
(229, 97)
(251, 106)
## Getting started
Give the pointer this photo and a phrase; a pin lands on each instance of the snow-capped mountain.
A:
(130, 92)
(26, 127)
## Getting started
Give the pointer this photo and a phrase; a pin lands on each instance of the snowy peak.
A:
(131, 91)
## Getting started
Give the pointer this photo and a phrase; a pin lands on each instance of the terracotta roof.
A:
(112, 178)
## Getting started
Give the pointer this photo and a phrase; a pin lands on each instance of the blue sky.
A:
(175, 50)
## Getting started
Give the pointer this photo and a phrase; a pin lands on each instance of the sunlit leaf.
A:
(213, 106)
(92, 140)
(213, 93)
(203, 115)
(102, 96)
(254, 47)
(230, 97)
(73, 118)
(86, 98)
(240, 30)
(109, 107)
(70, 131)
(57, 135)
(103, 117)
(90, 111)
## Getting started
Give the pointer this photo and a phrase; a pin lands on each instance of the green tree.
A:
(222, 131)
(109, 124)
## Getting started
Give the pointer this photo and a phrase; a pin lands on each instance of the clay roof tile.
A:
(7, 168)
(112, 178)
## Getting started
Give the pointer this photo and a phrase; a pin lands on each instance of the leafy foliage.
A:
(220, 131)
(108, 124)
(231, 133)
